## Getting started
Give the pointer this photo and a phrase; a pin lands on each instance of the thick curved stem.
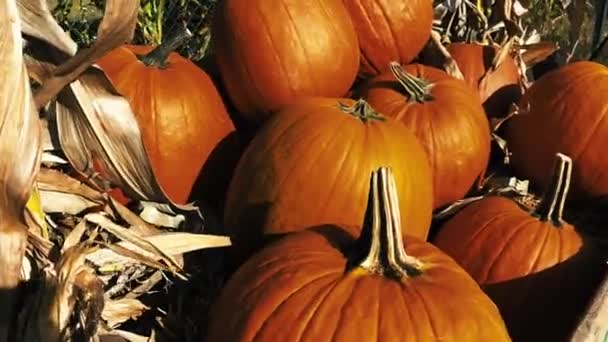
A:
(551, 207)
(417, 88)
(380, 247)
(158, 57)
(362, 110)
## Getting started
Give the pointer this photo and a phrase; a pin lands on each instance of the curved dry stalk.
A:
(20, 152)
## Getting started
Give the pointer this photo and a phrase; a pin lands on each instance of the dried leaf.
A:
(170, 243)
(53, 180)
(151, 213)
(576, 16)
(449, 63)
(71, 292)
(125, 335)
(499, 58)
(127, 235)
(37, 21)
(116, 28)
(20, 152)
(119, 311)
(538, 52)
(36, 213)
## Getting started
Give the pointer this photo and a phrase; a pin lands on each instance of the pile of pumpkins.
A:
(326, 144)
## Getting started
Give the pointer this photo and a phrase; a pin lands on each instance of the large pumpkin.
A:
(323, 285)
(564, 111)
(447, 118)
(308, 166)
(537, 268)
(390, 30)
(498, 88)
(272, 52)
(186, 130)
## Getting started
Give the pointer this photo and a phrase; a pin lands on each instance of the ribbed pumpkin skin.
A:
(567, 114)
(452, 128)
(297, 290)
(309, 165)
(272, 52)
(540, 276)
(501, 87)
(180, 113)
(390, 30)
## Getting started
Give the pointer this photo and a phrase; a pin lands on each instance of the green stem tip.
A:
(158, 57)
(362, 110)
(416, 88)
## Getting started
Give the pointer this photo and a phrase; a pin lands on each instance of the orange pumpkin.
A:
(564, 111)
(446, 117)
(308, 166)
(323, 285)
(498, 88)
(537, 268)
(390, 30)
(272, 52)
(181, 116)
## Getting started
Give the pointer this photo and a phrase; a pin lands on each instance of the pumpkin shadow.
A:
(499, 103)
(214, 177)
(548, 305)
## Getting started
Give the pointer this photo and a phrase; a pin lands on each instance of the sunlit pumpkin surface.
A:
(309, 166)
(181, 115)
(564, 111)
(272, 52)
(297, 290)
(390, 30)
(451, 126)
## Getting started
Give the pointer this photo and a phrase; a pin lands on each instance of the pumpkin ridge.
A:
(313, 312)
(394, 42)
(294, 27)
(589, 137)
(538, 255)
(283, 301)
(426, 312)
(477, 234)
(340, 173)
(487, 273)
(375, 33)
(352, 283)
(356, 282)
(279, 58)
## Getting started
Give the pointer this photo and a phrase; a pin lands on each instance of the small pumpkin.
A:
(182, 118)
(447, 118)
(324, 285)
(308, 164)
(564, 111)
(272, 52)
(498, 87)
(538, 269)
(390, 30)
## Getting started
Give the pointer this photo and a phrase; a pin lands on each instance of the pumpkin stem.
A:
(362, 110)
(381, 241)
(417, 88)
(551, 207)
(158, 57)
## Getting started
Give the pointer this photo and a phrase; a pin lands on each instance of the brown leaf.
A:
(449, 64)
(20, 152)
(119, 311)
(37, 21)
(68, 303)
(116, 28)
(499, 58)
(538, 52)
